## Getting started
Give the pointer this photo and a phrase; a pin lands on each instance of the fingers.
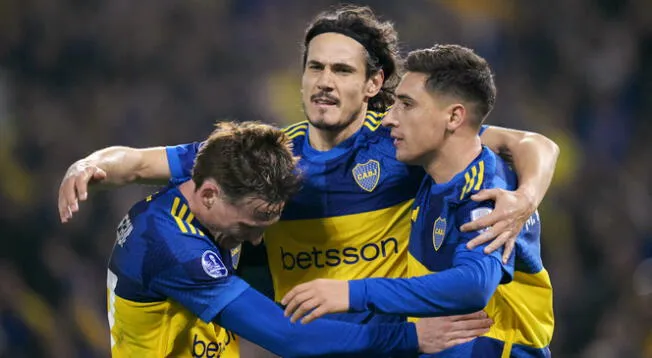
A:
(316, 313)
(498, 243)
(474, 315)
(99, 174)
(305, 307)
(292, 301)
(81, 184)
(509, 247)
(458, 341)
(74, 188)
(293, 292)
(486, 194)
(486, 221)
(483, 238)
(67, 198)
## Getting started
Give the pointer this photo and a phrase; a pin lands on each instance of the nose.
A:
(325, 80)
(390, 119)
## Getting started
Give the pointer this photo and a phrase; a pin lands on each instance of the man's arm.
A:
(112, 165)
(465, 288)
(534, 158)
(271, 330)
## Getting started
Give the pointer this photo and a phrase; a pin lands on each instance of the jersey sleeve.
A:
(270, 329)
(181, 159)
(468, 212)
(482, 129)
(189, 270)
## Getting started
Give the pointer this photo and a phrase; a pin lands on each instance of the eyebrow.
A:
(404, 97)
(336, 65)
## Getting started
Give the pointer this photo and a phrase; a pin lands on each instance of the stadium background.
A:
(79, 75)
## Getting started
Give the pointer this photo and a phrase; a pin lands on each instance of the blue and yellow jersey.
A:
(521, 306)
(351, 218)
(167, 280)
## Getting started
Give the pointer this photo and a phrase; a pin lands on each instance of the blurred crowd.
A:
(76, 76)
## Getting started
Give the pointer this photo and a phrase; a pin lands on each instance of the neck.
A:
(187, 189)
(454, 156)
(324, 139)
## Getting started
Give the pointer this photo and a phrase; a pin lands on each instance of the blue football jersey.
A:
(167, 280)
(351, 218)
(521, 307)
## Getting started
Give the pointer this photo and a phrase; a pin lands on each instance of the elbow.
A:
(475, 299)
(546, 143)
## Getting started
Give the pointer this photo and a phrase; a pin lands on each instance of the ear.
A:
(457, 116)
(375, 83)
(209, 193)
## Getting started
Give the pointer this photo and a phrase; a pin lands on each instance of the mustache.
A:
(324, 95)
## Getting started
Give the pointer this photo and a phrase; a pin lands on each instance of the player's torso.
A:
(145, 324)
(164, 329)
(521, 309)
(351, 218)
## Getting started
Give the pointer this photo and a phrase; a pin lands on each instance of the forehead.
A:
(333, 47)
(257, 212)
(412, 84)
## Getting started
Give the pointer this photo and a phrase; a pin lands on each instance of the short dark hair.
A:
(379, 38)
(248, 160)
(458, 71)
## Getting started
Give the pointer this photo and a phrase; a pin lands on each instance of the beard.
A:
(321, 124)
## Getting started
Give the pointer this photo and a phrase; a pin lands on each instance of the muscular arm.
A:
(534, 157)
(125, 165)
(112, 165)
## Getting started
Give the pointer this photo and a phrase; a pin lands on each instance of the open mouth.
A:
(324, 101)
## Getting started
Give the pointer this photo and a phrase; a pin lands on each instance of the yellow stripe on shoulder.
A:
(183, 217)
(473, 179)
(175, 214)
(295, 127)
(297, 134)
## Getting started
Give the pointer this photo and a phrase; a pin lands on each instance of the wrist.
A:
(530, 193)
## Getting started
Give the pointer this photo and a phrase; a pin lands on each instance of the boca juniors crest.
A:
(438, 232)
(367, 174)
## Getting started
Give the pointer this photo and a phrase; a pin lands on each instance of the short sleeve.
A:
(181, 159)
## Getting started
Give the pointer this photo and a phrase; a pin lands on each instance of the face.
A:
(418, 120)
(334, 88)
(232, 223)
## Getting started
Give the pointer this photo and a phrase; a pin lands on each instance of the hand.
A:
(74, 187)
(513, 208)
(318, 297)
(436, 334)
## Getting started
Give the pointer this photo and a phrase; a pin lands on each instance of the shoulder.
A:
(297, 133)
(167, 216)
(488, 172)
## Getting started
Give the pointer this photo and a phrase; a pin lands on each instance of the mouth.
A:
(324, 101)
(397, 140)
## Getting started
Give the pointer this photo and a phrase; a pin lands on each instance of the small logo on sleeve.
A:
(213, 265)
(478, 213)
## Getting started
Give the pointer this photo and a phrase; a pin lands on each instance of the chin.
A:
(408, 159)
